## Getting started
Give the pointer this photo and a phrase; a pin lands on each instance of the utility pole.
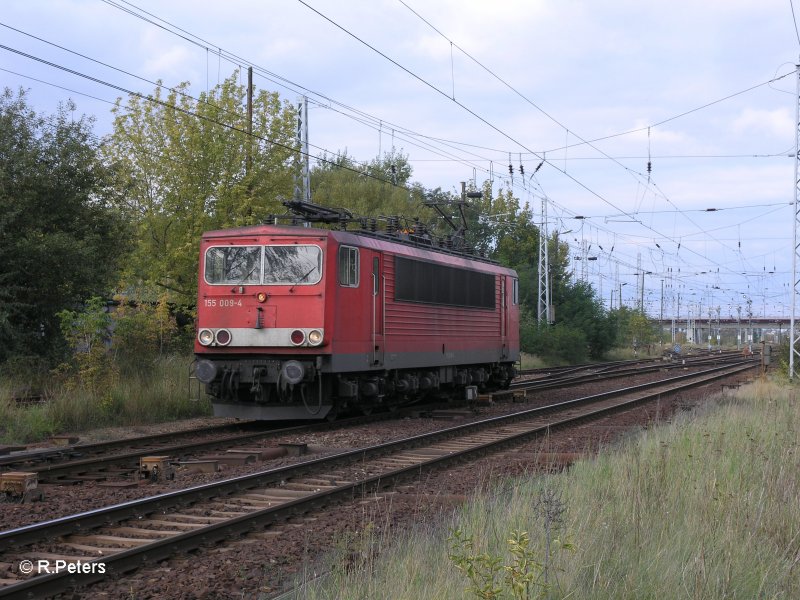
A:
(249, 162)
(641, 289)
(661, 316)
(793, 336)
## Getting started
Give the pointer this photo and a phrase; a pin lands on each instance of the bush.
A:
(89, 334)
(143, 333)
(557, 343)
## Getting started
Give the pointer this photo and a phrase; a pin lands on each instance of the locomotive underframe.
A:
(313, 387)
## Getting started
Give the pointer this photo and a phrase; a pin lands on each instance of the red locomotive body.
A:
(300, 323)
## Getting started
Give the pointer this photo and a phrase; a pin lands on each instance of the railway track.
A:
(32, 458)
(605, 371)
(123, 537)
(120, 459)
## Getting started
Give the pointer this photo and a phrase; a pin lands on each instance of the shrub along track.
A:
(155, 529)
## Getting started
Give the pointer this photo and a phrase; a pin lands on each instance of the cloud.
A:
(168, 61)
(752, 120)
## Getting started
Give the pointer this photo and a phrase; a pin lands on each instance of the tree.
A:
(61, 239)
(633, 327)
(380, 188)
(578, 306)
(186, 166)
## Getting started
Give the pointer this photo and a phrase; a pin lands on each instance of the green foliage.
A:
(373, 190)
(26, 424)
(143, 333)
(634, 328)
(88, 333)
(579, 308)
(61, 239)
(489, 577)
(481, 568)
(182, 168)
(559, 343)
(160, 393)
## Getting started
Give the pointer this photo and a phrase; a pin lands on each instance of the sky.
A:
(589, 92)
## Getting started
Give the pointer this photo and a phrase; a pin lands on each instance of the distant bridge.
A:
(726, 332)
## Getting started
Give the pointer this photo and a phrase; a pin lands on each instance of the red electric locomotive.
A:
(301, 323)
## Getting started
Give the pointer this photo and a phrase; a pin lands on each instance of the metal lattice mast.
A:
(639, 277)
(584, 260)
(793, 337)
(302, 182)
(543, 302)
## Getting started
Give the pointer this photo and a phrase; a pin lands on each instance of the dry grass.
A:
(159, 394)
(705, 507)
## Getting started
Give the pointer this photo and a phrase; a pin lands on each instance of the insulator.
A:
(510, 169)
(521, 169)
(649, 167)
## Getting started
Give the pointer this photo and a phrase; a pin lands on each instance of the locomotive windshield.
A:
(292, 265)
(282, 265)
(233, 264)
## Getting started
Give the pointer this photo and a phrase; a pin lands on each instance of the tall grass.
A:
(705, 507)
(158, 393)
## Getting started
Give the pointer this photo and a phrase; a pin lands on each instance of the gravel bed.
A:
(261, 563)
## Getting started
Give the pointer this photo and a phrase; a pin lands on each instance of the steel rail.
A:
(42, 461)
(160, 549)
(99, 463)
(44, 454)
(600, 375)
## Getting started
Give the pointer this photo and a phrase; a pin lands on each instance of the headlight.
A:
(223, 337)
(315, 337)
(297, 337)
(205, 337)
(293, 372)
(206, 371)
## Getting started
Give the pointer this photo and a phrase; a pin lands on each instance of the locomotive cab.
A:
(261, 322)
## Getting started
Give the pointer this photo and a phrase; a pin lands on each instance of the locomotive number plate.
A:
(222, 302)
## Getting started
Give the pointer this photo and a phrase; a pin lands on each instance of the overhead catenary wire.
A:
(185, 111)
(223, 57)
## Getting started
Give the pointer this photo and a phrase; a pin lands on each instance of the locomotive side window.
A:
(515, 291)
(292, 265)
(348, 266)
(419, 281)
(233, 265)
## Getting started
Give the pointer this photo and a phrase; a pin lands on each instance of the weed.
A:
(488, 574)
